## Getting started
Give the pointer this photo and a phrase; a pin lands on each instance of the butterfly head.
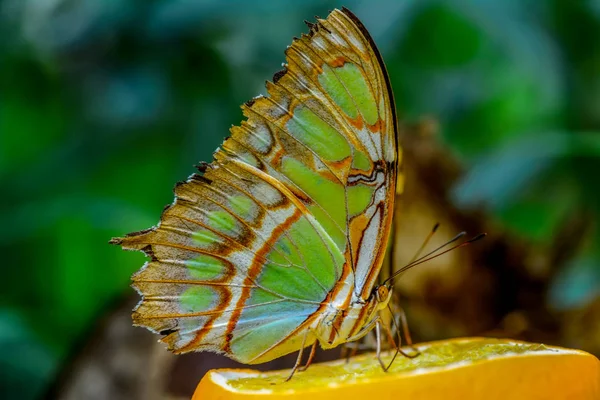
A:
(382, 294)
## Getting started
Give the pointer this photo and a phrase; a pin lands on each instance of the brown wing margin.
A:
(388, 83)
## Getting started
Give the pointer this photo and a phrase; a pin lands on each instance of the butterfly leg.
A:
(313, 350)
(404, 324)
(349, 350)
(299, 359)
(390, 336)
(343, 351)
(362, 333)
(378, 347)
(352, 352)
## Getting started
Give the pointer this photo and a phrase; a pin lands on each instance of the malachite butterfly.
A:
(278, 243)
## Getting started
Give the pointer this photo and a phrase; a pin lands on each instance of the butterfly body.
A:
(279, 241)
(347, 324)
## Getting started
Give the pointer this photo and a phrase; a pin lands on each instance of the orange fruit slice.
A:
(466, 368)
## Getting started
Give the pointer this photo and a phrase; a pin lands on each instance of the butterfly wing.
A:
(328, 131)
(295, 203)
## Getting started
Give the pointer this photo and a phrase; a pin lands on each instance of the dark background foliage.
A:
(104, 105)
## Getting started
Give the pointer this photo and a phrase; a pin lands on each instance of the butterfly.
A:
(276, 245)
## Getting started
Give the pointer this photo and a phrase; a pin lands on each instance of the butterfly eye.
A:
(382, 293)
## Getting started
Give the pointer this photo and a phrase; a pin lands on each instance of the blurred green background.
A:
(104, 105)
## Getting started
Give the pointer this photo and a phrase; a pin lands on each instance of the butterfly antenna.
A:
(425, 242)
(435, 253)
(418, 260)
(417, 254)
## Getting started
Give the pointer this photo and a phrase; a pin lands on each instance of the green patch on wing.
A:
(251, 341)
(316, 265)
(327, 194)
(198, 299)
(337, 91)
(334, 231)
(267, 319)
(205, 238)
(361, 161)
(284, 253)
(318, 135)
(264, 305)
(359, 197)
(242, 206)
(356, 88)
(222, 221)
(206, 268)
